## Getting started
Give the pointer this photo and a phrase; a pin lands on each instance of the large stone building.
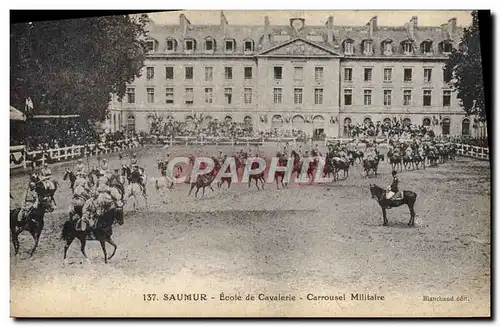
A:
(317, 79)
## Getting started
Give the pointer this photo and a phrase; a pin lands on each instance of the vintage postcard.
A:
(250, 164)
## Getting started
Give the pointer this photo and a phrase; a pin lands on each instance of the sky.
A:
(313, 17)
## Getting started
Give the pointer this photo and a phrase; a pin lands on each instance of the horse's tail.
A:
(67, 230)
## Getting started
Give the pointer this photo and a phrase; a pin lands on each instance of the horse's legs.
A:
(196, 193)
(384, 213)
(103, 246)
(15, 242)
(110, 241)
(68, 244)
(256, 183)
(211, 188)
(277, 185)
(263, 181)
(36, 237)
(83, 242)
(412, 215)
(192, 187)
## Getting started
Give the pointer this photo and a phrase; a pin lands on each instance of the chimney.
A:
(411, 27)
(372, 26)
(184, 22)
(329, 28)
(265, 40)
(414, 21)
(223, 22)
(452, 26)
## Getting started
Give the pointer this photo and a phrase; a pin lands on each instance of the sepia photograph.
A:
(250, 163)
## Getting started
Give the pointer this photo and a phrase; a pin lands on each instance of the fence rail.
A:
(473, 151)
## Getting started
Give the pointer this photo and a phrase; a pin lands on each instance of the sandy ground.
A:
(322, 239)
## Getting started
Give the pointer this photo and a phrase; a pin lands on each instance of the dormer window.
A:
(426, 47)
(407, 47)
(367, 47)
(387, 47)
(445, 47)
(248, 46)
(348, 47)
(171, 45)
(229, 45)
(190, 45)
(209, 44)
(151, 45)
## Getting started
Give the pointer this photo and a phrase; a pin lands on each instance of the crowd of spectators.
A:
(387, 129)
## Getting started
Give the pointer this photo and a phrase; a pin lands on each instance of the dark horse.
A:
(371, 164)
(33, 223)
(102, 232)
(409, 199)
(205, 180)
(72, 178)
(282, 162)
(42, 191)
(355, 155)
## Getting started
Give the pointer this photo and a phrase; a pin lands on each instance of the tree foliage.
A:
(73, 66)
(465, 71)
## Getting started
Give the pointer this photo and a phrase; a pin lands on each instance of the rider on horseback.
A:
(104, 168)
(80, 167)
(31, 202)
(137, 177)
(392, 190)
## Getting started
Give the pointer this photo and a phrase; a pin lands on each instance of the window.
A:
(368, 75)
(169, 95)
(151, 94)
(190, 45)
(248, 72)
(407, 75)
(318, 96)
(426, 122)
(247, 95)
(387, 97)
(387, 48)
(278, 72)
(446, 126)
(407, 97)
(407, 48)
(298, 73)
(446, 47)
(131, 95)
(466, 126)
(188, 72)
(150, 72)
(446, 98)
(228, 95)
(150, 45)
(248, 46)
(427, 98)
(208, 95)
(170, 45)
(318, 74)
(228, 73)
(367, 47)
(229, 45)
(347, 74)
(277, 95)
(209, 45)
(426, 47)
(447, 75)
(189, 96)
(367, 97)
(209, 74)
(387, 75)
(427, 75)
(348, 47)
(297, 95)
(348, 97)
(131, 123)
(169, 72)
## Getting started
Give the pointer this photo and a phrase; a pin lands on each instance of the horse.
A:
(228, 179)
(395, 160)
(282, 162)
(408, 161)
(419, 158)
(328, 169)
(409, 198)
(42, 191)
(256, 176)
(33, 223)
(355, 155)
(102, 232)
(311, 169)
(371, 164)
(339, 165)
(205, 180)
(72, 178)
(135, 189)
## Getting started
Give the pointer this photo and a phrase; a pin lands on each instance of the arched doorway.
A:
(131, 123)
(446, 126)
(367, 121)
(466, 127)
(228, 119)
(426, 122)
(387, 121)
(318, 127)
(406, 122)
(247, 120)
(277, 122)
(347, 123)
(298, 123)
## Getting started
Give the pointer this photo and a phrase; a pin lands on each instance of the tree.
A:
(73, 66)
(465, 72)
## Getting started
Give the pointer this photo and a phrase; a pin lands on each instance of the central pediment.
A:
(298, 47)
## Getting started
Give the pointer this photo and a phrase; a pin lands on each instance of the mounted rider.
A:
(46, 177)
(137, 178)
(90, 212)
(104, 169)
(409, 151)
(80, 168)
(392, 190)
(31, 202)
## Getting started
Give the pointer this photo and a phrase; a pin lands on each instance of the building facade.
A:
(318, 79)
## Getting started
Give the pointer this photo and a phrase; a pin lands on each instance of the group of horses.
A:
(430, 155)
